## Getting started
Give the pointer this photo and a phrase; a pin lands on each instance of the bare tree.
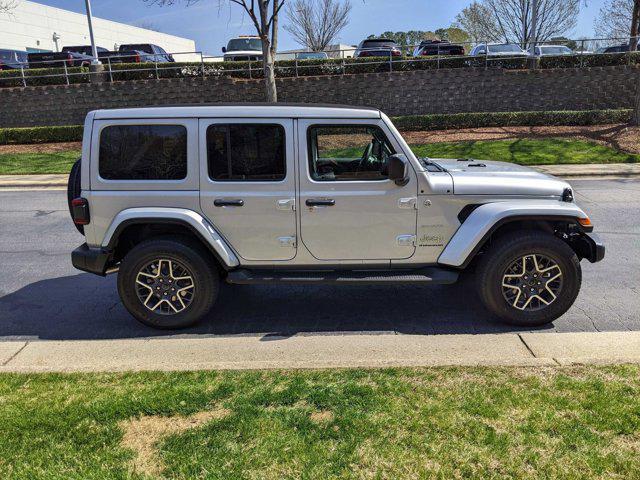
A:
(315, 24)
(478, 21)
(614, 19)
(635, 18)
(264, 16)
(510, 20)
(7, 6)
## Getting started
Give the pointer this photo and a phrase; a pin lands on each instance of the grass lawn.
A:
(581, 422)
(29, 163)
(546, 151)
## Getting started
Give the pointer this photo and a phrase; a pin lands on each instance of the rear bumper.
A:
(92, 260)
(596, 248)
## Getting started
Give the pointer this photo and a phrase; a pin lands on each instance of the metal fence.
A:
(117, 67)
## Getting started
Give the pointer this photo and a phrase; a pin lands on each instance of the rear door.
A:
(247, 184)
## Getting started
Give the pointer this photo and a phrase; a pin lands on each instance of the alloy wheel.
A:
(165, 286)
(532, 282)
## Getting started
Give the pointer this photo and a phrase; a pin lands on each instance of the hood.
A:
(484, 177)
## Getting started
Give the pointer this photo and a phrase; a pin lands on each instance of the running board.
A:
(430, 275)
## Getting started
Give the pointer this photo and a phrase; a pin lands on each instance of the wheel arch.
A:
(133, 225)
(489, 221)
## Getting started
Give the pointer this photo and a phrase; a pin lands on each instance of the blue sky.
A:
(211, 26)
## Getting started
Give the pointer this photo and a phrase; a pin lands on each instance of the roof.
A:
(243, 110)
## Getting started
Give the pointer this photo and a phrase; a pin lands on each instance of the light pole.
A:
(94, 50)
(534, 26)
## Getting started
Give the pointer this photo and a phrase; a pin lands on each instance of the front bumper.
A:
(594, 247)
(92, 260)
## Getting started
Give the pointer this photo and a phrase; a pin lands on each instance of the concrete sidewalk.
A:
(320, 351)
(565, 171)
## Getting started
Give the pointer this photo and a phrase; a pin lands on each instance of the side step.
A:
(430, 275)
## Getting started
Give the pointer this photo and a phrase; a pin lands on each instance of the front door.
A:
(349, 209)
(247, 185)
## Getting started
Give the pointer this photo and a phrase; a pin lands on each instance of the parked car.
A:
(138, 53)
(75, 56)
(178, 199)
(437, 47)
(312, 56)
(552, 50)
(243, 48)
(617, 48)
(377, 47)
(498, 50)
(13, 59)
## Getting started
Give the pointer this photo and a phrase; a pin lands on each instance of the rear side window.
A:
(246, 152)
(143, 152)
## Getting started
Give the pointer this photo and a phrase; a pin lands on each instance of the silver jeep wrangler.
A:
(176, 199)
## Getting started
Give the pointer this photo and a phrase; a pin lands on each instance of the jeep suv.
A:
(178, 199)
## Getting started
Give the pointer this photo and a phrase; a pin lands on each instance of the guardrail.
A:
(405, 57)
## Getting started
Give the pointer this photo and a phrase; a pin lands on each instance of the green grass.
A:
(32, 163)
(546, 151)
(565, 423)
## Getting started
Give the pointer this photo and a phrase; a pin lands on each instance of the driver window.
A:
(348, 152)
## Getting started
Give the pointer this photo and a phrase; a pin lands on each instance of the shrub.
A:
(71, 133)
(43, 76)
(504, 119)
(593, 60)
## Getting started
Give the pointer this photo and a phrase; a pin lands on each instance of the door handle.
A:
(320, 202)
(221, 202)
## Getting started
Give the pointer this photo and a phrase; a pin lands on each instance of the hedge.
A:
(404, 123)
(40, 135)
(510, 119)
(302, 68)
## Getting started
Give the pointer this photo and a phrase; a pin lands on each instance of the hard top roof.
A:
(242, 110)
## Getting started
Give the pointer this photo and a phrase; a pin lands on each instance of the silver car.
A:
(178, 199)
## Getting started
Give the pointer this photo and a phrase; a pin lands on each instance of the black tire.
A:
(185, 252)
(74, 189)
(508, 249)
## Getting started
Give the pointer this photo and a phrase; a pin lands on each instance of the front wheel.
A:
(529, 278)
(168, 283)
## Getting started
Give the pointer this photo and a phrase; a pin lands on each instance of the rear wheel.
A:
(529, 279)
(168, 282)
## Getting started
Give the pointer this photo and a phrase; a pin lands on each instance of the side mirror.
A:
(224, 49)
(399, 169)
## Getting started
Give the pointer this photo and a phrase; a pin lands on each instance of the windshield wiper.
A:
(432, 166)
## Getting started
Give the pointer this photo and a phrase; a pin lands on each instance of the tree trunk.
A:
(633, 41)
(271, 94)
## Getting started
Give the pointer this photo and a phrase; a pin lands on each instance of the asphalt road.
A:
(43, 297)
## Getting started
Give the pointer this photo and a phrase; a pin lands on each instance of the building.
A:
(35, 27)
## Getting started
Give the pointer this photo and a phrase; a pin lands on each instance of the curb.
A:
(320, 352)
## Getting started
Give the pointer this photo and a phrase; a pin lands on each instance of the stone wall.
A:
(401, 93)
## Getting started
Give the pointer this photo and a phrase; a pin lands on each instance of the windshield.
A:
(244, 44)
(378, 44)
(505, 48)
(559, 50)
(6, 55)
(85, 50)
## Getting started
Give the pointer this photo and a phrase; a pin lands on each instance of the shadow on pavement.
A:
(88, 307)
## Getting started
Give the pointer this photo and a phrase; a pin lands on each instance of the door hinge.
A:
(411, 202)
(406, 240)
(286, 204)
(287, 241)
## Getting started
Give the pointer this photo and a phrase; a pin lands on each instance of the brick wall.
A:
(406, 93)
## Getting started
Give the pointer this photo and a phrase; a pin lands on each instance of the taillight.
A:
(70, 60)
(395, 53)
(137, 58)
(80, 211)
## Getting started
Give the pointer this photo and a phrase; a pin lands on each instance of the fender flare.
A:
(487, 218)
(182, 216)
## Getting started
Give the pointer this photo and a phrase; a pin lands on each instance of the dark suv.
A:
(378, 47)
(437, 47)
